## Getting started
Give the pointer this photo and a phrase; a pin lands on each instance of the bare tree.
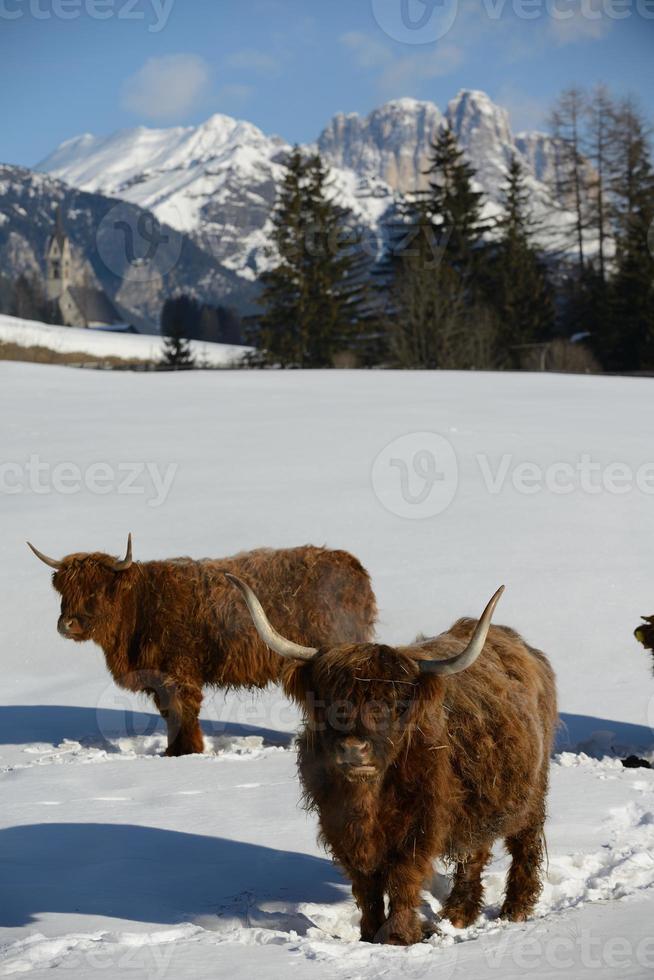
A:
(600, 117)
(572, 178)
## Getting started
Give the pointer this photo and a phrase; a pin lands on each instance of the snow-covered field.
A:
(101, 343)
(115, 861)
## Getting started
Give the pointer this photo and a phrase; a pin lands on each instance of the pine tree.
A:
(28, 300)
(431, 321)
(522, 295)
(177, 353)
(437, 317)
(337, 292)
(454, 206)
(313, 298)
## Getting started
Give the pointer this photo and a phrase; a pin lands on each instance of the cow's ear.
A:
(296, 677)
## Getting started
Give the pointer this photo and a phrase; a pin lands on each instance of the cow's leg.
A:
(368, 891)
(464, 902)
(179, 704)
(404, 884)
(524, 880)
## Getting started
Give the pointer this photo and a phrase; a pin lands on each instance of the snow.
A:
(113, 858)
(101, 343)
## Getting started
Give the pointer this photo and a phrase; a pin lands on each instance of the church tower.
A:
(57, 261)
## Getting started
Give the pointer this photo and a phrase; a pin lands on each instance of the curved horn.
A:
(122, 564)
(44, 558)
(269, 635)
(468, 656)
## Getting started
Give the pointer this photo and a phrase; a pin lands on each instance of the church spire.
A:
(59, 232)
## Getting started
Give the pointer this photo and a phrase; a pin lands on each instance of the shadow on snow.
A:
(23, 724)
(147, 874)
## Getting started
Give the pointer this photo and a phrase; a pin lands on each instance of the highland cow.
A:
(420, 752)
(645, 633)
(167, 628)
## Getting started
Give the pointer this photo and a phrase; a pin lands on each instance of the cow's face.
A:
(361, 705)
(89, 585)
(645, 632)
(362, 701)
(87, 589)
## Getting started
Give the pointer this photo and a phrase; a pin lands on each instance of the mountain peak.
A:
(219, 180)
(406, 104)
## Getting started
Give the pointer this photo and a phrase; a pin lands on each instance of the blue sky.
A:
(73, 66)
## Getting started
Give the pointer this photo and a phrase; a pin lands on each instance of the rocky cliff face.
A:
(482, 129)
(392, 143)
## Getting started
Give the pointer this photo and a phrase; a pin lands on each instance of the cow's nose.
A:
(354, 751)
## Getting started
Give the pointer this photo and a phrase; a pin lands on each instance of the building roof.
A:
(94, 305)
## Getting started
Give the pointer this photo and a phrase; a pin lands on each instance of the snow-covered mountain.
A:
(218, 181)
(28, 207)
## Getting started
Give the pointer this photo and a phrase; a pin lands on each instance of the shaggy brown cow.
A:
(169, 627)
(407, 757)
(645, 633)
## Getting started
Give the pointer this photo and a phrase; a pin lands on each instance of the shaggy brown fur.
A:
(645, 633)
(404, 767)
(170, 627)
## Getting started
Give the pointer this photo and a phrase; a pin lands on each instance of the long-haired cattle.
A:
(645, 633)
(170, 627)
(424, 751)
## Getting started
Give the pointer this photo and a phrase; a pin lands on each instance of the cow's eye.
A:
(340, 716)
(376, 713)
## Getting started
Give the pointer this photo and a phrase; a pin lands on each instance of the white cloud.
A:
(405, 75)
(571, 21)
(402, 74)
(255, 61)
(167, 87)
